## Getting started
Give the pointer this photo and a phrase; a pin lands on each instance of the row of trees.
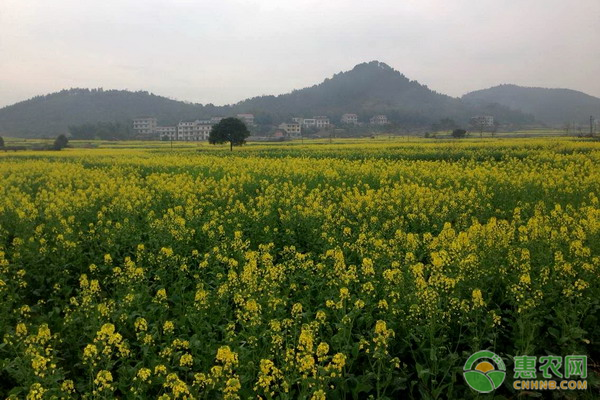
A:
(476, 125)
(59, 143)
(101, 130)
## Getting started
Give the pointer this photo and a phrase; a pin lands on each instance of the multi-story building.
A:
(247, 118)
(314, 122)
(321, 122)
(482, 121)
(378, 120)
(309, 122)
(293, 129)
(194, 131)
(144, 126)
(349, 119)
(168, 132)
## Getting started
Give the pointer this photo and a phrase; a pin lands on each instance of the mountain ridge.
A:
(367, 89)
(552, 106)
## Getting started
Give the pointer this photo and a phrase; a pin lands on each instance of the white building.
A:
(216, 120)
(350, 119)
(309, 122)
(169, 132)
(378, 120)
(321, 122)
(194, 131)
(314, 122)
(144, 126)
(293, 129)
(482, 121)
(247, 118)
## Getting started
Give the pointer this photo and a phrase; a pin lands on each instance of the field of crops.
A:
(353, 270)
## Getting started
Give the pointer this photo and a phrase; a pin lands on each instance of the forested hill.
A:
(52, 114)
(375, 88)
(368, 89)
(551, 106)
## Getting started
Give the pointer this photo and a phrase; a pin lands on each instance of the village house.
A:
(349, 119)
(318, 122)
(144, 126)
(321, 122)
(248, 119)
(194, 131)
(292, 129)
(482, 121)
(379, 120)
(166, 132)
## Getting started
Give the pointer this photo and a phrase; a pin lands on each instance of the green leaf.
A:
(497, 377)
(478, 381)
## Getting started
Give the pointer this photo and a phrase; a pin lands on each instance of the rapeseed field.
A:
(366, 269)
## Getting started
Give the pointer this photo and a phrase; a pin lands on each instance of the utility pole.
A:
(591, 125)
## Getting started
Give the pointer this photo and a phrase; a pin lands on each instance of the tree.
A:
(459, 133)
(230, 130)
(478, 124)
(61, 142)
(1, 142)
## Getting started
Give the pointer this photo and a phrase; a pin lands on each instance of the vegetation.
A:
(1, 141)
(102, 131)
(368, 89)
(229, 130)
(367, 268)
(555, 107)
(459, 133)
(60, 143)
(53, 114)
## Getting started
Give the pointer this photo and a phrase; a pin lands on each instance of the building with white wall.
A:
(169, 132)
(247, 118)
(321, 122)
(145, 126)
(379, 120)
(349, 119)
(483, 121)
(293, 129)
(194, 131)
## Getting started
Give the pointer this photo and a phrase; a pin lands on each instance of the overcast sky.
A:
(222, 51)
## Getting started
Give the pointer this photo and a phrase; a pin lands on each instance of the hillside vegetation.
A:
(368, 89)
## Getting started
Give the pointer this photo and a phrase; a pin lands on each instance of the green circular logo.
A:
(483, 375)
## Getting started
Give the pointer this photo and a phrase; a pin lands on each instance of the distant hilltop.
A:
(368, 90)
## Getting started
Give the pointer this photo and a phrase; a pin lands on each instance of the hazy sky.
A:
(222, 51)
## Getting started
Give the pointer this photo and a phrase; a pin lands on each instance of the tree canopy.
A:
(102, 130)
(61, 142)
(230, 130)
(459, 133)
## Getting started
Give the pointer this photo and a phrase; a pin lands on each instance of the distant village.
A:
(198, 130)
(147, 128)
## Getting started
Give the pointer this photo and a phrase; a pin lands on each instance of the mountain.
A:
(368, 89)
(52, 114)
(550, 106)
(375, 88)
